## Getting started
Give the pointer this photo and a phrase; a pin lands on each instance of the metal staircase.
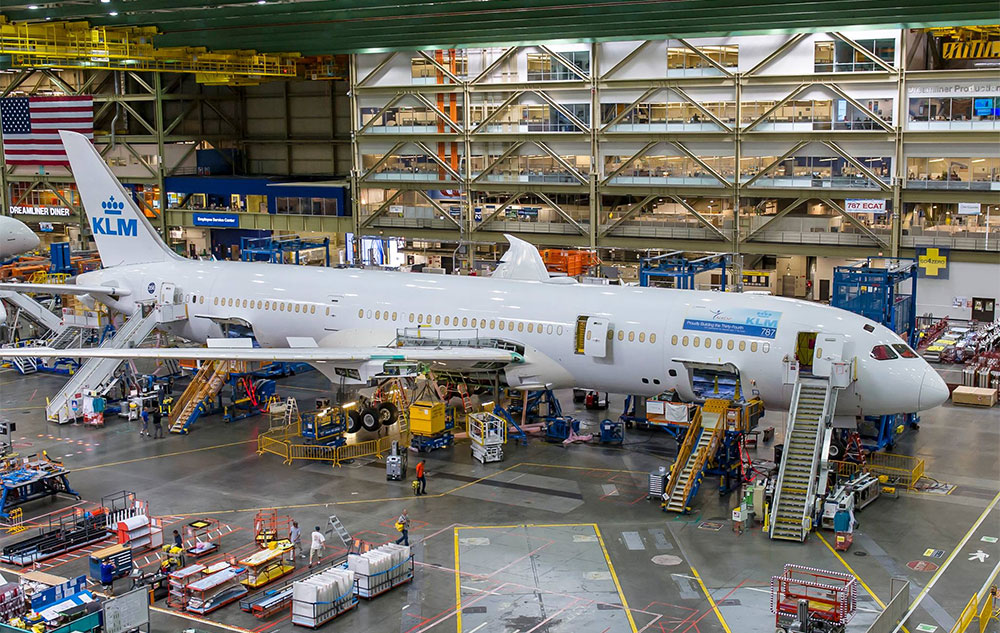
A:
(28, 307)
(206, 384)
(801, 477)
(25, 365)
(95, 374)
(700, 444)
(66, 336)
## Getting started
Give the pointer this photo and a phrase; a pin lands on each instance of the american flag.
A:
(31, 127)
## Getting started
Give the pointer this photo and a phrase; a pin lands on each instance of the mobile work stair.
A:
(196, 398)
(802, 475)
(28, 307)
(95, 374)
(700, 443)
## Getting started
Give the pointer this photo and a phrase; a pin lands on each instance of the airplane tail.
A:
(121, 230)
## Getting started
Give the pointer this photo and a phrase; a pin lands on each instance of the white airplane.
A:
(542, 332)
(15, 237)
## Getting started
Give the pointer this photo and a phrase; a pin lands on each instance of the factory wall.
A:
(941, 297)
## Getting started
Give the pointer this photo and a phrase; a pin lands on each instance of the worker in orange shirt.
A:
(421, 478)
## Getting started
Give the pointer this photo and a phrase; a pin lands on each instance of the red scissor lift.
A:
(813, 600)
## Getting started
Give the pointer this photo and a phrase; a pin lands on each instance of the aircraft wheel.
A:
(836, 451)
(387, 413)
(370, 419)
(353, 421)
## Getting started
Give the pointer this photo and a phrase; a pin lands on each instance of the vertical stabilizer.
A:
(122, 232)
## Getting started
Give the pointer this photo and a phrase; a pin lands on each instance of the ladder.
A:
(291, 412)
(463, 391)
(25, 365)
(813, 400)
(207, 383)
(336, 527)
(95, 373)
(698, 447)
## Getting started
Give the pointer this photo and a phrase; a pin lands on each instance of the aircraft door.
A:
(592, 336)
(829, 350)
(334, 307)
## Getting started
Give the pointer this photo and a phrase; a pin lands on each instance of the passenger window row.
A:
(466, 322)
(719, 343)
(266, 304)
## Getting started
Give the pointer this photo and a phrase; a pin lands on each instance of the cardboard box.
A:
(974, 396)
(427, 418)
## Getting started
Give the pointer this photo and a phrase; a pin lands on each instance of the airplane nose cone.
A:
(933, 390)
(25, 239)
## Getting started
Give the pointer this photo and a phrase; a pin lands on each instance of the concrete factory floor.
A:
(554, 539)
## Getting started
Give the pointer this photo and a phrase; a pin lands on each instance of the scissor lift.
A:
(813, 600)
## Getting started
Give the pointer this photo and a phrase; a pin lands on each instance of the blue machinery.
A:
(273, 249)
(558, 427)
(680, 269)
(876, 293)
(887, 296)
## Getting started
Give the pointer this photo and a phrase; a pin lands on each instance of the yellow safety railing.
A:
(975, 612)
(78, 44)
(16, 522)
(900, 469)
(284, 441)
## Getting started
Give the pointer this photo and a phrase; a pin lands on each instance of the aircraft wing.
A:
(66, 289)
(282, 354)
(349, 365)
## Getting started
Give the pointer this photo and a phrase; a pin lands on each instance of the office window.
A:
(306, 206)
(683, 62)
(544, 67)
(841, 57)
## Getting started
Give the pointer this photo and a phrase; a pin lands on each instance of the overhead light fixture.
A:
(113, 13)
(105, 1)
(261, 1)
(32, 6)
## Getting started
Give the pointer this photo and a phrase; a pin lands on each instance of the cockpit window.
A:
(869, 327)
(904, 350)
(883, 352)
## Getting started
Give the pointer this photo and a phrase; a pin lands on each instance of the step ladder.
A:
(334, 526)
(96, 373)
(206, 384)
(699, 446)
(809, 434)
(25, 365)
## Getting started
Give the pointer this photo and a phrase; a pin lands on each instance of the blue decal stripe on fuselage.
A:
(726, 327)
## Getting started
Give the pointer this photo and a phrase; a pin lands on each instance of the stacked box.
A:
(380, 569)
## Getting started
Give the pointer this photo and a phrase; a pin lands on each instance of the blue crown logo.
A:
(112, 207)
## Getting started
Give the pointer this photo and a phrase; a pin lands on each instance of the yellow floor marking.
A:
(174, 454)
(603, 470)
(711, 600)
(458, 588)
(965, 539)
(41, 406)
(614, 576)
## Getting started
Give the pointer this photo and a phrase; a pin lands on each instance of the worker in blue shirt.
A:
(144, 429)
(108, 577)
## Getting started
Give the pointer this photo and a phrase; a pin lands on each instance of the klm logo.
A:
(123, 227)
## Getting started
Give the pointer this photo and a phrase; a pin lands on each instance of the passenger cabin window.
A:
(883, 352)
(904, 350)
